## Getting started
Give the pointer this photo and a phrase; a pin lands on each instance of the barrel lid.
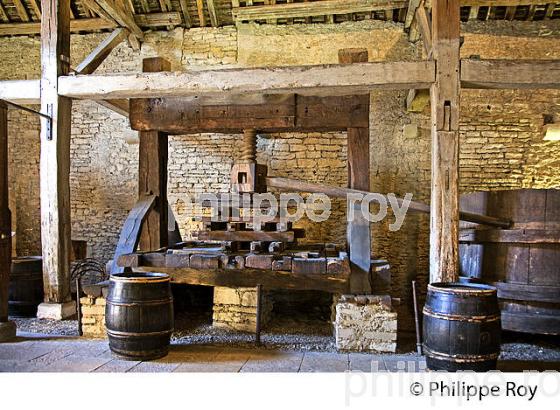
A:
(140, 277)
(462, 288)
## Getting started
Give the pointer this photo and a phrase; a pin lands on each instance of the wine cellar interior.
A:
(117, 116)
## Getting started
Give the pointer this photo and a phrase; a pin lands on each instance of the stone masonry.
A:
(93, 316)
(501, 144)
(236, 308)
(365, 324)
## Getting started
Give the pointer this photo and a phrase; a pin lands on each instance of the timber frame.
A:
(443, 73)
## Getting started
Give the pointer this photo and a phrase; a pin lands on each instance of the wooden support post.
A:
(358, 230)
(7, 329)
(444, 94)
(55, 161)
(152, 174)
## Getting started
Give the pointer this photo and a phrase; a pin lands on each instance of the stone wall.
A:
(93, 316)
(501, 140)
(236, 308)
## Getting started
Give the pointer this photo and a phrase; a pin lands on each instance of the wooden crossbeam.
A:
(306, 80)
(185, 12)
(21, 11)
(502, 3)
(20, 91)
(316, 8)
(518, 74)
(100, 53)
(36, 10)
(200, 10)
(122, 16)
(3, 16)
(212, 11)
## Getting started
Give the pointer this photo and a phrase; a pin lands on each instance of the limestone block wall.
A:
(501, 133)
(93, 316)
(236, 308)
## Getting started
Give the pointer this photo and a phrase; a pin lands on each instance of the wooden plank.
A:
(274, 113)
(21, 11)
(444, 94)
(130, 232)
(307, 80)
(100, 53)
(246, 236)
(34, 4)
(502, 3)
(119, 106)
(411, 12)
(152, 174)
(121, 16)
(317, 8)
(55, 151)
(212, 12)
(5, 216)
(510, 235)
(21, 91)
(424, 27)
(3, 16)
(93, 24)
(200, 10)
(518, 74)
(185, 13)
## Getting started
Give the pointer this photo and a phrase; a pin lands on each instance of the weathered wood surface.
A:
(520, 291)
(519, 74)
(320, 80)
(328, 7)
(152, 175)
(122, 16)
(444, 95)
(510, 235)
(55, 151)
(329, 274)
(246, 236)
(130, 232)
(287, 184)
(5, 216)
(271, 113)
(100, 53)
(21, 91)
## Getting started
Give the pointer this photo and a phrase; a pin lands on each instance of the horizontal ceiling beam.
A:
(93, 24)
(320, 80)
(21, 91)
(517, 74)
(316, 8)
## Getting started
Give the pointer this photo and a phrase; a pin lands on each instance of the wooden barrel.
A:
(139, 315)
(26, 286)
(461, 327)
(522, 262)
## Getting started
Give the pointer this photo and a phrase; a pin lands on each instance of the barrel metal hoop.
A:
(460, 358)
(462, 292)
(446, 316)
(140, 280)
(122, 335)
(140, 302)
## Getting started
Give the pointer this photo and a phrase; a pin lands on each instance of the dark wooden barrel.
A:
(522, 262)
(139, 315)
(26, 286)
(461, 327)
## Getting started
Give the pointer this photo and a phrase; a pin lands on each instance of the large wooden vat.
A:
(461, 327)
(26, 286)
(139, 315)
(523, 262)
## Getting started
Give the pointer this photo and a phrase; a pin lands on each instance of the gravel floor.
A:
(299, 335)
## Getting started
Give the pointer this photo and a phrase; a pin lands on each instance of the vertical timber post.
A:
(444, 95)
(358, 230)
(7, 328)
(55, 161)
(152, 174)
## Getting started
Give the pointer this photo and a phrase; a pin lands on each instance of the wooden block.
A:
(285, 263)
(309, 266)
(205, 261)
(259, 261)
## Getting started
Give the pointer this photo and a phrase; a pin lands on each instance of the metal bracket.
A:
(47, 116)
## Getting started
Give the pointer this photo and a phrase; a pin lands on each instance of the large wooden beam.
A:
(308, 80)
(21, 91)
(358, 230)
(519, 74)
(7, 328)
(152, 20)
(125, 19)
(55, 160)
(152, 174)
(271, 113)
(310, 9)
(444, 95)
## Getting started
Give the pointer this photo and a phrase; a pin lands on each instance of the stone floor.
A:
(44, 353)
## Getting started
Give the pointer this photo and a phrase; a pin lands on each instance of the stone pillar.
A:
(236, 308)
